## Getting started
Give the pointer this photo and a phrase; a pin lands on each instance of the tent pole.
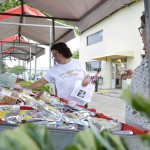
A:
(50, 42)
(35, 63)
(30, 66)
(18, 67)
(53, 26)
(147, 17)
(36, 25)
(24, 71)
(1, 60)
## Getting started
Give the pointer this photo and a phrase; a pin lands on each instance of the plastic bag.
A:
(7, 80)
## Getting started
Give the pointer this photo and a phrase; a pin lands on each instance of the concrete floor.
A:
(109, 103)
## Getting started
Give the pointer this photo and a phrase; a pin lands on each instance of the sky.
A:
(74, 44)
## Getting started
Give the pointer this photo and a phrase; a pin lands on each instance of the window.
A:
(93, 65)
(95, 38)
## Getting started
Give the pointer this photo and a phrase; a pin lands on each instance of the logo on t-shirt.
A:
(70, 73)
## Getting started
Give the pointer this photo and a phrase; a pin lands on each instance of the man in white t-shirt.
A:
(64, 73)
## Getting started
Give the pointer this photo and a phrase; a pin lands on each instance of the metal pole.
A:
(30, 66)
(1, 60)
(18, 67)
(24, 72)
(8, 44)
(147, 17)
(50, 43)
(53, 26)
(35, 63)
(36, 25)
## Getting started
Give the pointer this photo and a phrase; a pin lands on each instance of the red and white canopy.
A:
(37, 29)
(20, 48)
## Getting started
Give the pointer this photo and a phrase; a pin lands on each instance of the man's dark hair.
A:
(63, 49)
(143, 17)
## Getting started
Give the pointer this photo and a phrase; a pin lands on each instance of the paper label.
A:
(83, 93)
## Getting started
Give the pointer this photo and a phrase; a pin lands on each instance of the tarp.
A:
(19, 48)
(85, 13)
(39, 33)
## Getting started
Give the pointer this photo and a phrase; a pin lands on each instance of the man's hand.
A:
(127, 75)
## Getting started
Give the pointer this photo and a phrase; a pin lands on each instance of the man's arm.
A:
(38, 84)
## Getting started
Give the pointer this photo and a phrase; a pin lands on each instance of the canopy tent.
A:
(86, 13)
(37, 29)
(80, 13)
(20, 48)
(21, 56)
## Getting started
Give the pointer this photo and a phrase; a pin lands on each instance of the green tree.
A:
(76, 54)
(17, 70)
(3, 66)
(8, 4)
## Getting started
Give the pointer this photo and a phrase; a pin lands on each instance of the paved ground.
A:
(109, 103)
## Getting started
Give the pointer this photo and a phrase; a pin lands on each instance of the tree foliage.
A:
(18, 70)
(8, 4)
(76, 54)
(3, 66)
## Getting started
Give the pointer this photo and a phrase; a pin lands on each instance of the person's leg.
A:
(96, 86)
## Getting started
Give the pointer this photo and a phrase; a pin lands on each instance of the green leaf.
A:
(26, 137)
(92, 140)
(138, 102)
(146, 137)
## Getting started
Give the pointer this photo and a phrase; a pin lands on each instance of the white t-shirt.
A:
(65, 76)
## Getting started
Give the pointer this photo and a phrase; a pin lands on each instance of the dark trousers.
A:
(96, 86)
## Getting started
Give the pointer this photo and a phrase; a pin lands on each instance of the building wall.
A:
(120, 33)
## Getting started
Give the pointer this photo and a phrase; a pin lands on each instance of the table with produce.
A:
(20, 106)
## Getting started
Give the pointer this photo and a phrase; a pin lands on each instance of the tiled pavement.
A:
(109, 103)
(111, 92)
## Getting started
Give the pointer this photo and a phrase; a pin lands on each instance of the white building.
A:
(115, 37)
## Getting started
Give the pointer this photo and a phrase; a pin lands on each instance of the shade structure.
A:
(115, 55)
(20, 48)
(37, 29)
(19, 55)
(81, 13)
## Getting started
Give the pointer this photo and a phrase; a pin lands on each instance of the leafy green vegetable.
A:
(92, 140)
(26, 137)
(25, 84)
(137, 101)
(146, 137)
(46, 88)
